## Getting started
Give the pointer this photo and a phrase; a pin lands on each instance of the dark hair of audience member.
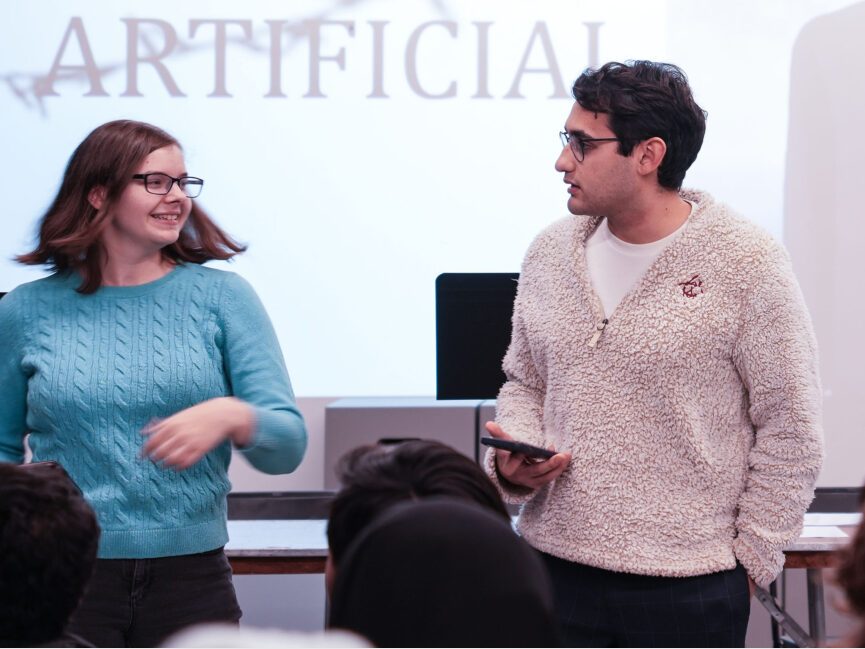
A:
(850, 576)
(375, 477)
(443, 573)
(48, 541)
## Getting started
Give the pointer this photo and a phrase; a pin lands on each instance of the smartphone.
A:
(518, 447)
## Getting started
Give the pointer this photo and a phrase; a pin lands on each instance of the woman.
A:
(137, 369)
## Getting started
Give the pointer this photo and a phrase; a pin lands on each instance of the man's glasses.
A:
(577, 143)
(160, 184)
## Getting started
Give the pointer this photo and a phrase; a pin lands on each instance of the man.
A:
(660, 343)
(48, 541)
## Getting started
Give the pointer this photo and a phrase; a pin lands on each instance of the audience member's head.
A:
(850, 576)
(230, 636)
(375, 477)
(443, 573)
(48, 541)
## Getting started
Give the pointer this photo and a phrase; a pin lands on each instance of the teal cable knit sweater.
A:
(83, 374)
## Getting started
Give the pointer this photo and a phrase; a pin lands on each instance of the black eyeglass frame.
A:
(183, 182)
(577, 143)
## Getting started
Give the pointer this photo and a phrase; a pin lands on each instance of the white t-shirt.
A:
(616, 266)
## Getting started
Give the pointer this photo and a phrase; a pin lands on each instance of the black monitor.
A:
(473, 331)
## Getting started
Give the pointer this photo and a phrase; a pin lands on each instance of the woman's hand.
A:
(184, 438)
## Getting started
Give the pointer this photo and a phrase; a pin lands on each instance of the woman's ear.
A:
(96, 197)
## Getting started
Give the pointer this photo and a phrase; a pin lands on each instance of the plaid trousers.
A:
(601, 608)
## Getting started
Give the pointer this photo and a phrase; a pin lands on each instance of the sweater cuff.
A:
(279, 442)
(512, 494)
(762, 562)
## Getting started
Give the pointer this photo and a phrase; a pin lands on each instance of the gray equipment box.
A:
(349, 423)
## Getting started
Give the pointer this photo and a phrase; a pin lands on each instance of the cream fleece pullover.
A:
(695, 420)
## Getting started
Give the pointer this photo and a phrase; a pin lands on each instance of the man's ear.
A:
(650, 154)
(96, 197)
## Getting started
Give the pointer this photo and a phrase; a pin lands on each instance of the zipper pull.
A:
(599, 329)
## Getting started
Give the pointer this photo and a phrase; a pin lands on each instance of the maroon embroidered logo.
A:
(692, 287)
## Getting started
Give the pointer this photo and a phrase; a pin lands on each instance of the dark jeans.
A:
(140, 602)
(600, 608)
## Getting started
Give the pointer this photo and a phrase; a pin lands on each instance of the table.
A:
(269, 547)
(261, 547)
(813, 554)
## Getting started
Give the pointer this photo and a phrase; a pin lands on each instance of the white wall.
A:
(824, 220)
(375, 144)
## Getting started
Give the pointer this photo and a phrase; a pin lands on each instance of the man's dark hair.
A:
(48, 541)
(644, 99)
(375, 477)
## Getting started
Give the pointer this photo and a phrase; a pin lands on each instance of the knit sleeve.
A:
(520, 402)
(13, 382)
(257, 375)
(777, 360)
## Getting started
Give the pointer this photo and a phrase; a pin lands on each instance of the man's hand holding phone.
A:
(520, 470)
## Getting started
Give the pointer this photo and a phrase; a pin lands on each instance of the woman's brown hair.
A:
(70, 231)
